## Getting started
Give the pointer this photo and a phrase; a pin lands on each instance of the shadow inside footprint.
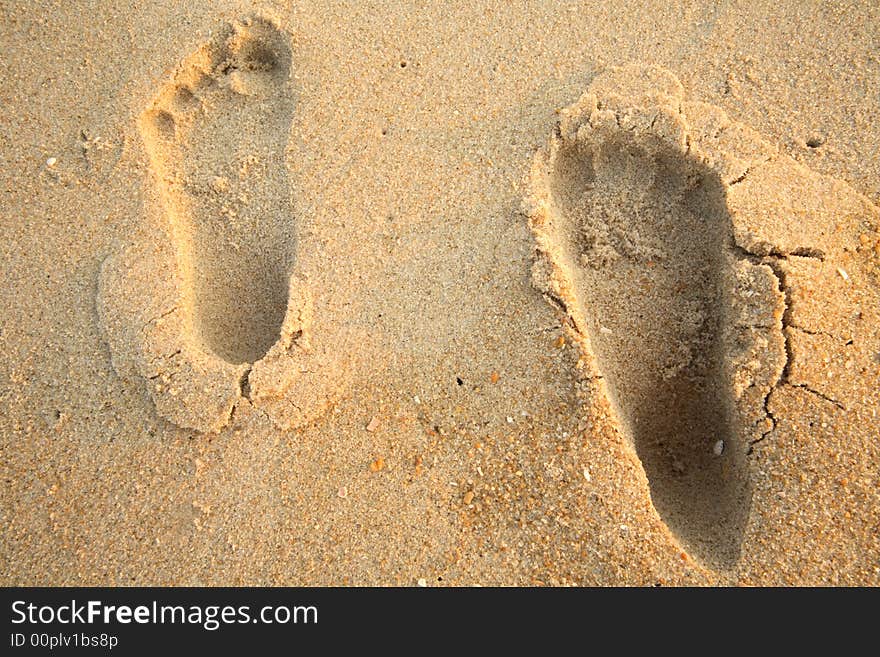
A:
(645, 234)
(217, 136)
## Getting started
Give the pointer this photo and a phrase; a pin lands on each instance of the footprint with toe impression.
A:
(635, 240)
(228, 319)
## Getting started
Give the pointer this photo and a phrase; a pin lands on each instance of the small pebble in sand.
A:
(843, 274)
(718, 449)
(373, 425)
(377, 465)
(509, 420)
(587, 475)
(604, 330)
(417, 400)
(220, 184)
(342, 492)
(559, 343)
(422, 582)
(469, 497)
(51, 162)
(494, 377)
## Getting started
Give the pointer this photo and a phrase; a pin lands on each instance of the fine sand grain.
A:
(483, 293)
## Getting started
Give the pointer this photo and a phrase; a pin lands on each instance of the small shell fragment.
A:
(718, 449)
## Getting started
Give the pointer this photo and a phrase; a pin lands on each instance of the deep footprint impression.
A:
(217, 313)
(229, 206)
(636, 243)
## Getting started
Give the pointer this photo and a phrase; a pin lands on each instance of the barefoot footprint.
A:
(628, 204)
(230, 319)
(216, 138)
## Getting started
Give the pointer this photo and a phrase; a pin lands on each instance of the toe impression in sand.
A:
(213, 313)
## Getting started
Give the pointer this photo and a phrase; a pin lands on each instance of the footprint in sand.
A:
(683, 327)
(230, 320)
(216, 137)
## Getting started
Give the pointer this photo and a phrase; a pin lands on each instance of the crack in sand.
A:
(830, 400)
(158, 318)
(807, 331)
(244, 384)
(772, 261)
(768, 414)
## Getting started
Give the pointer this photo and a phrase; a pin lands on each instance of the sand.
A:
(545, 294)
